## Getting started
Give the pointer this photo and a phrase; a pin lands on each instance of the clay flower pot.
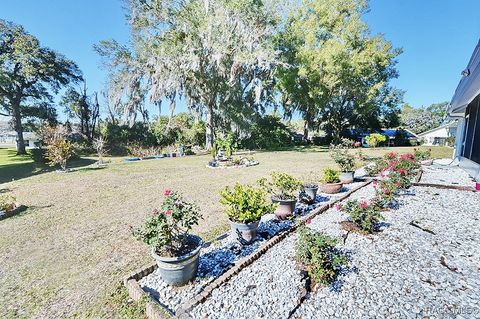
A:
(331, 188)
(285, 207)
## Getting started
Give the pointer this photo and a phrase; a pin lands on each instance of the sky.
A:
(437, 37)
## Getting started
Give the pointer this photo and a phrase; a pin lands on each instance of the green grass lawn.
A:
(69, 250)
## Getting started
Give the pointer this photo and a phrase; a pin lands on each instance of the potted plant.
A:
(245, 205)
(284, 190)
(310, 189)
(345, 160)
(166, 231)
(331, 181)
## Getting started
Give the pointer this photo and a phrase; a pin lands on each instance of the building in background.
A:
(465, 107)
(443, 135)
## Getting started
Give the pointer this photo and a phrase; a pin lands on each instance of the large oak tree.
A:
(29, 75)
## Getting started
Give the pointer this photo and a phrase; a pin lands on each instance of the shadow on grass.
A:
(16, 171)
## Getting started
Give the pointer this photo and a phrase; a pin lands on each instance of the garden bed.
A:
(221, 259)
(402, 271)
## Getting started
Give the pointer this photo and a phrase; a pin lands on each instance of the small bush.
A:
(282, 186)
(319, 256)
(366, 216)
(375, 139)
(7, 202)
(330, 176)
(245, 204)
(167, 228)
(342, 156)
(421, 155)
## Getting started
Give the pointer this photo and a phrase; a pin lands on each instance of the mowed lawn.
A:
(67, 252)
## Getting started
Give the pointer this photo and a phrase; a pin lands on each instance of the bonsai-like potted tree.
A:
(331, 181)
(344, 159)
(166, 231)
(284, 190)
(245, 206)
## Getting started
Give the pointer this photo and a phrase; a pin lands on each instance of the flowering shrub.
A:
(7, 203)
(282, 186)
(385, 190)
(245, 204)
(364, 215)
(422, 155)
(166, 230)
(318, 254)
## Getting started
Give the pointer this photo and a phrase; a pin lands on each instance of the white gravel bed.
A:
(442, 173)
(269, 288)
(398, 273)
(219, 256)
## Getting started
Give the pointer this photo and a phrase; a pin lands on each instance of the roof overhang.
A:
(469, 86)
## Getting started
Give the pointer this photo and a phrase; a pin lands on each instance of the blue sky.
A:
(438, 37)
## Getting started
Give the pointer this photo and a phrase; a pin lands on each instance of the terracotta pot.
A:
(331, 188)
(285, 208)
(347, 177)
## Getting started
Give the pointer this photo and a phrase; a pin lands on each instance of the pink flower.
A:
(375, 182)
(401, 171)
(387, 191)
(167, 192)
(398, 184)
(363, 205)
(308, 221)
(168, 212)
(382, 175)
(338, 206)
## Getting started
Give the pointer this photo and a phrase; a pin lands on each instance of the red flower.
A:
(168, 212)
(387, 191)
(398, 184)
(167, 192)
(308, 221)
(401, 171)
(363, 205)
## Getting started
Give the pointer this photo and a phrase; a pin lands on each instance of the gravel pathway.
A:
(442, 173)
(401, 272)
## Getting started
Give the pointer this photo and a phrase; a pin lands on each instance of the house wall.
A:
(468, 150)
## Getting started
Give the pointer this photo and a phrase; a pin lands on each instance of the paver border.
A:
(155, 310)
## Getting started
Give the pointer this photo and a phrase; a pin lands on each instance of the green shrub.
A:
(282, 186)
(331, 175)
(245, 204)
(342, 156)
(366, 216)
(422, 154)
(268, 132)
(319, 256)
(375, 139)
(118, 137)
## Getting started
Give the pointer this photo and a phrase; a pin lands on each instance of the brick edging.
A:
(153, 309)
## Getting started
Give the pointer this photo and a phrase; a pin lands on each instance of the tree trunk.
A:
(209, 132)
(305, 131)
(18, 128)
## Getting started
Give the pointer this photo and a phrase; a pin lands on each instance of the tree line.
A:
(230, 61)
